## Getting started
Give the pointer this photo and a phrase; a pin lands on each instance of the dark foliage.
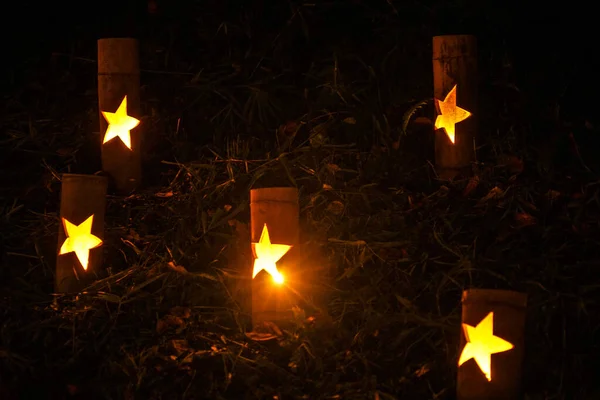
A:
(331, 97)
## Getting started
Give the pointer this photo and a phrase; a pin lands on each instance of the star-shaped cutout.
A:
(450, 114)
(481, 344)
(267, 255)
(80, 240)
(120, 124)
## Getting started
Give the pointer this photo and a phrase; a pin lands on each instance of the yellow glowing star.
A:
(267, 255)
(449, 114)
(481, 344)
(120, 124)
(80, 240)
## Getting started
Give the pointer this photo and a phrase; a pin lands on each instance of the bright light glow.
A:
(481, 344)
(120, 124)
(267, 255)
(80, 240)
(450, 114)
(278, 278)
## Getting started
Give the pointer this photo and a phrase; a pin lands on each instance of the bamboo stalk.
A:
(508, 312)
(82, 196)
(119, 78)
(455, 68)
(277, 210)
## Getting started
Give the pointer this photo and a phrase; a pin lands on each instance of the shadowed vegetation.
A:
(334, 99)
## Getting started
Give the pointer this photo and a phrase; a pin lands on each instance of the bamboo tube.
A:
(455, 67)
(82, 196)
(508, 310)
(119, 78)
(277, 209)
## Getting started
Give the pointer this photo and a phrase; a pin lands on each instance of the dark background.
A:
(552, 46)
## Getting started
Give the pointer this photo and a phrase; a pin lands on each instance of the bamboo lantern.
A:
(492, 344)
(119, 104)
(455, 93)
(81, 231)
(274, 225)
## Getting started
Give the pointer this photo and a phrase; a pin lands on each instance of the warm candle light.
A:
(481, 344)
(267, 255)
(450, 114)
(80, 240)
(120, 124)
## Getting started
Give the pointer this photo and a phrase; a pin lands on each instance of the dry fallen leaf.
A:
(553, 194)
(265, 331)
(336, 207)
(177, 268)
(168, 321)
(179, 346)
(513, 163)
(472, 185)
(526, 204)
(290, 128)
(422, 371)
(65, 152)
(133, 235)
(524, 219)
(494, 194)
(422, 121)
(415, 204)
(182, 312)
(333, 168)
(443, 191)
(260, 337)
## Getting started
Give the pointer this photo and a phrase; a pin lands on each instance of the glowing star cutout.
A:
(267, 255)
(120, 124)
(450, 114)
(481, 344)
(80, 240)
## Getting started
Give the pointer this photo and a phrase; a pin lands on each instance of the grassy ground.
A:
(242, 99)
